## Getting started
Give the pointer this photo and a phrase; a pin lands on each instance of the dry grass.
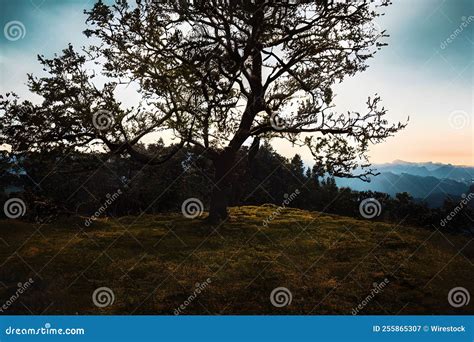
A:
(152, 264)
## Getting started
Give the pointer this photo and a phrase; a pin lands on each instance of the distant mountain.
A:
(430, 182)
(463, 174)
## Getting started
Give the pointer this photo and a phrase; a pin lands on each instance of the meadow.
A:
(154, 264)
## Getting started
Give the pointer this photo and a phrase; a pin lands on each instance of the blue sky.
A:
(420, 74)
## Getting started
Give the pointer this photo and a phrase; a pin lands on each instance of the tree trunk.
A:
(222, 187)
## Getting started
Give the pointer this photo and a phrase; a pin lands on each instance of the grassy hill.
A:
(153, 264)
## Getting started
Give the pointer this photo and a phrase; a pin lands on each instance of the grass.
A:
(153, 263)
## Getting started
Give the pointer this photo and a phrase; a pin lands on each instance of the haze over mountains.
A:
(430, 182)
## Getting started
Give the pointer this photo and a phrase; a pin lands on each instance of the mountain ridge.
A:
(427, 181)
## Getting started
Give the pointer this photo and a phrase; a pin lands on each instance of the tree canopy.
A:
(215, 74)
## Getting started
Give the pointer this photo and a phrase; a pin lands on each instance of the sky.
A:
(425, 73)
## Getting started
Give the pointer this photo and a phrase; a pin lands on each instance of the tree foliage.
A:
(213, 74)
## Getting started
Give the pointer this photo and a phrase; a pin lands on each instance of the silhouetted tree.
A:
(215, 74)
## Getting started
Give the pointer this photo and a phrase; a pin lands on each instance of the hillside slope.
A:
(153, 263)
